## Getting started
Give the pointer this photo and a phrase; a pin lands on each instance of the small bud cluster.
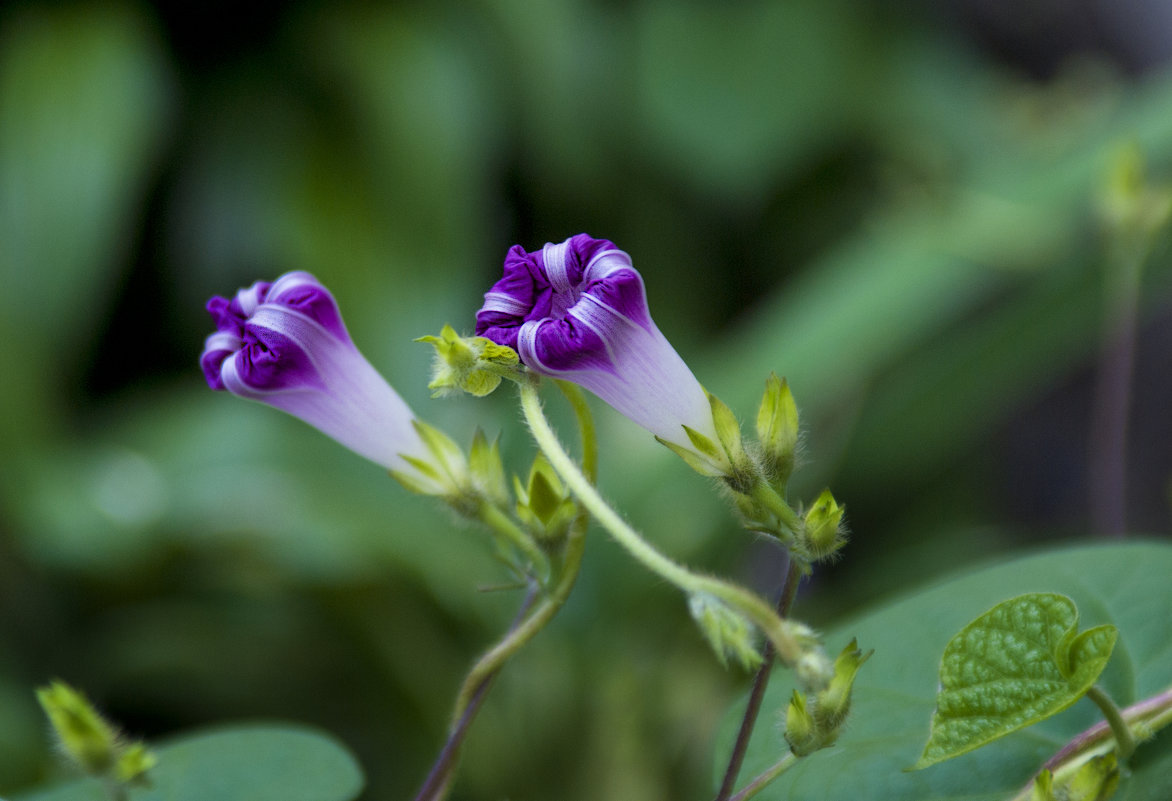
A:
(90, 741)
(475, 365)
(544, 504)
(726, 630)
(812, 724)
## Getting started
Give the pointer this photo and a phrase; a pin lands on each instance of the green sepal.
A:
(545, 492)
(777, 429)
(448, 455)
(486, 467)
(801, 732)
(833, 704)
(728, 431)
(1016, 664)
(704, 445)
(694, 460)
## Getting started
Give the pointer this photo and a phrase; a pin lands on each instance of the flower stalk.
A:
(792, 643)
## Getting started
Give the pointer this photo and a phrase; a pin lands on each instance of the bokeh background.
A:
(894, 205)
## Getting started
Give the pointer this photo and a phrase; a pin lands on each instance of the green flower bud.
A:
(777, 429)
(824, 530)
(85, 737)
(726, 630)
(474, 365)
(801, 732)
(544, 504)
(833, 704)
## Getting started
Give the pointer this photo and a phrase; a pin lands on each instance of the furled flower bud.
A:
(578, 311)
(284, 344)
(726, 630)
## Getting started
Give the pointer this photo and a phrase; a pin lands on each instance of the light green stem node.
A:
(786, 638)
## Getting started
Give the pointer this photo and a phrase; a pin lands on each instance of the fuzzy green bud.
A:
(777, 429)
(474, 365)
(544, 504)
(801, 732)
(90, 741)
(85, 737)
(824, 530)
(726, 630)
(833, 704)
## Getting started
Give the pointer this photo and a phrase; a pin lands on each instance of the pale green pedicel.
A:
(1017, 664)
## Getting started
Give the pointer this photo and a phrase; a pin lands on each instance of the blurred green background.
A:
(893, 205)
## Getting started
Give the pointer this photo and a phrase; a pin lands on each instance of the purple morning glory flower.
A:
(284, 344)
(578, 311)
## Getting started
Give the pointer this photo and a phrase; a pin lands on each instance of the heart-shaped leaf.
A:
(1018, 663)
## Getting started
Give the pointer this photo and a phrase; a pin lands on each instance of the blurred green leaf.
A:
(84, 103)
(893, 699)
(241, 763)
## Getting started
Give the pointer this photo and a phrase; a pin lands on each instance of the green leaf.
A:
(894, 696)
(242, 763)
(1017, 664)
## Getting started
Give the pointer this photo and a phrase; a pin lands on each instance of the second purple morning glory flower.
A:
(578, 311)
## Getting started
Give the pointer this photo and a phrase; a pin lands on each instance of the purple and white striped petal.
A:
(285, 344)
(578, 311)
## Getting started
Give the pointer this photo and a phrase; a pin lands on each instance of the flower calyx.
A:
(824, 532)
(727, 631)
(814, 721)
(726, 457)
(544, 504)
(475, 365)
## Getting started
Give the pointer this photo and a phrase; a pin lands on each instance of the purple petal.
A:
(284, 344)
(578, 310)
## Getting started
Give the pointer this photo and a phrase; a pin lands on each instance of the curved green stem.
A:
(585, 419)
(495, 657)
(752, 606)
(1124, 739)
(761, 782)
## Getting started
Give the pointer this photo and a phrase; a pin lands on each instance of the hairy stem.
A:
(480, 677)
(436, 784)
(752, 606)
(789, 590)
(761, 782)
